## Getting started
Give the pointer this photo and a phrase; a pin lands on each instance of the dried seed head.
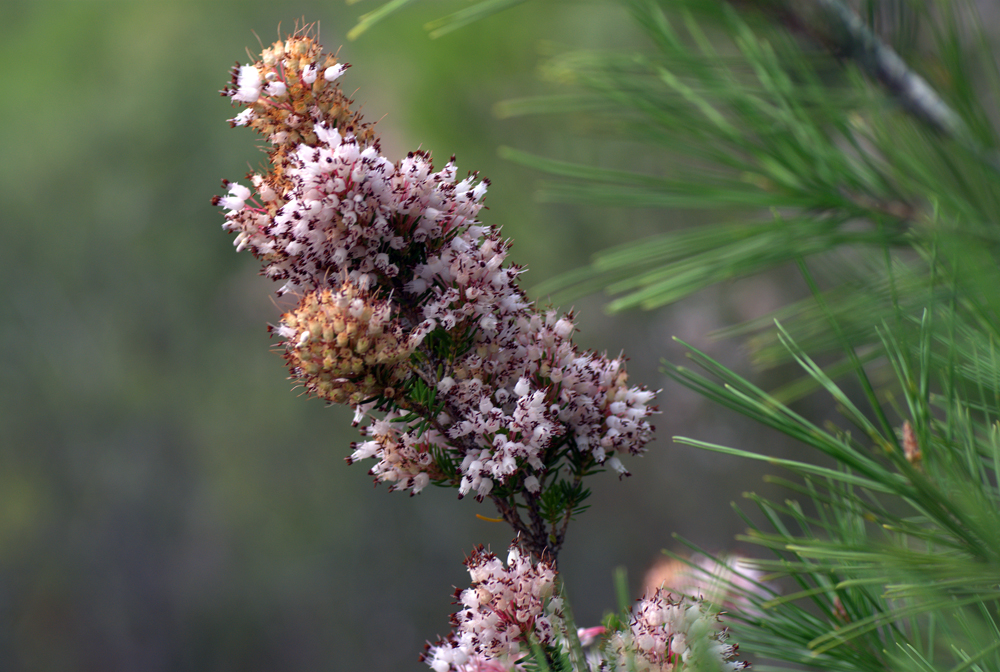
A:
(343, 346)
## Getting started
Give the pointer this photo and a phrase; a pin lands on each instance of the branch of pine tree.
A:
(835, 26)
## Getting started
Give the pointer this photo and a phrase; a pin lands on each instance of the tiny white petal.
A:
(522, 388)
(334, 71)
(243, 118)
(248, 83)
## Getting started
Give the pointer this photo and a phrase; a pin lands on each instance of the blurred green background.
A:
(166, 501)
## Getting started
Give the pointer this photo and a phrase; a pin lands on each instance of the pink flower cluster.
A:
(406, 303)
(503, 608)
(667, 635)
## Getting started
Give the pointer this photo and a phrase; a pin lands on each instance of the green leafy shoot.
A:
(905, 529)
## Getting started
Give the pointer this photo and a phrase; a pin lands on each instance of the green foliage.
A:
(754, 122)
(901, 553)
(437, 27)
(563, 498)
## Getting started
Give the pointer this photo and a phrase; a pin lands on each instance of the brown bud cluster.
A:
(287, 119)
(345, 346)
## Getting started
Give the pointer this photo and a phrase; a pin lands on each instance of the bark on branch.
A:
(834, 25)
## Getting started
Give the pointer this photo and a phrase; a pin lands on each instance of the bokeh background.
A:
(167, 502)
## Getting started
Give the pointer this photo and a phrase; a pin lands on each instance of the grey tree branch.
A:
(876, 58)
(840, 30)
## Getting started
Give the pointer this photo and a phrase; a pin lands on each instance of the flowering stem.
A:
(534, 537)
(542, 541)
(408, 313)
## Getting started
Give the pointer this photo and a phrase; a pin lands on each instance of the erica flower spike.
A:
(408, 312)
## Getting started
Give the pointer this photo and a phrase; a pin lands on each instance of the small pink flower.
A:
(588, 636)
